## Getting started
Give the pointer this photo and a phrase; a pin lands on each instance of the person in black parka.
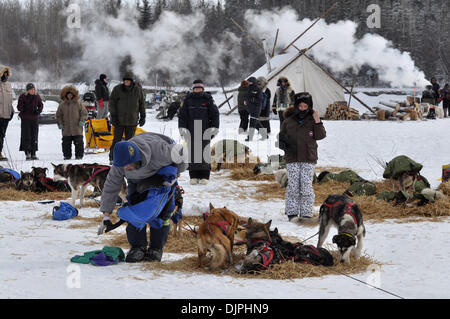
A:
(254, 103)
(264, 117)
(102, 95)
(198, 122)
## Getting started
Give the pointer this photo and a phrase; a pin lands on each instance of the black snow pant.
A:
(199, 174)
(67, 146)
(281, 116)
(3, 127)
(29, 136)
(119, 131)
(138, 238)
(266, 125)
(255, 124)
(243, 126)
(446, 106)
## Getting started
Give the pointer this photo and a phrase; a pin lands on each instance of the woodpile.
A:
(400, 111)
(339, 111)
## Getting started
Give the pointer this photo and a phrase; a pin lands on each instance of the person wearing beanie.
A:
(301, 130)
(102, 95)
(198, 122)
(71, 117)
(254, 101)
(264, 117)
(242, 107)
(146, 161)
(284, 98)
(127, 109)
(30, 106)
(6, 105)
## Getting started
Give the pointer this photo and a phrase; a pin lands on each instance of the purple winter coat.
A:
(30, 106)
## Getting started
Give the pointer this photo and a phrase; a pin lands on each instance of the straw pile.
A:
(11, 194)
(285, 271)
(373, 209)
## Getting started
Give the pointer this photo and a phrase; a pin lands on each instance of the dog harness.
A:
(349, 209)
(44, 182)
(225, 225)
(267, 253)
(97, 170)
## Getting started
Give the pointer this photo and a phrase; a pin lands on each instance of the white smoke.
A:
(173, 44)
(340, 50)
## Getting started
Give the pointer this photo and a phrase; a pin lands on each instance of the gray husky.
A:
(81, 176)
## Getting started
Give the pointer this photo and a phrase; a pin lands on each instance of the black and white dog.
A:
(342, 212)
(81, 176)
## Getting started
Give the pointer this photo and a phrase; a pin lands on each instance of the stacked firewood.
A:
(339, 111)
(400, 111)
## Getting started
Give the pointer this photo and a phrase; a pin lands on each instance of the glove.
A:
(106, 223)
(100, 103)
(61, 127)
(142, 122)
(81, 123)
(274, 111)
(35, 111)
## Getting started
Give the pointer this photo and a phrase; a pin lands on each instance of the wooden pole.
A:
(227, 100)
(248, 34)
(339, 83)
(315, 22)
(275, 43)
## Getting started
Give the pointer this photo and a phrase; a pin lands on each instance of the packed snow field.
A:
(35, 251)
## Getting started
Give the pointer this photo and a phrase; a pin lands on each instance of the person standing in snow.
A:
(264, 117)
(436, 90)
(127, 108)
(445, 96)
(242, 108)
(254, 102)
(284, 98)
(71, 117)
(147, 161)
(198, 122)
(6, 106)
(102, 95)
(30, 106)
(301, 129)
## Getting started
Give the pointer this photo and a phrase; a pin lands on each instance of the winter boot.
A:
(136, 255)
(33, 156)
(28, 156)
(204, 182)
(153, 255)
(194, 181)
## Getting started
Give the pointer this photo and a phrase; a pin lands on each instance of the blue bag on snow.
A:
(64, 211)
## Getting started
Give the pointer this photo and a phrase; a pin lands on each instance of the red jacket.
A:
(30, 106)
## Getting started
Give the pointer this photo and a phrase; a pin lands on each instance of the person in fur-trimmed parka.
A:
(6, 106)
(284, 98)
(301, 130)
(71, 117)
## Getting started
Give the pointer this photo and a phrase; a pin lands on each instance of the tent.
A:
(305, 75)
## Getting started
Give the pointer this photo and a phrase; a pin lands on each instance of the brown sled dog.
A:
(216, 235)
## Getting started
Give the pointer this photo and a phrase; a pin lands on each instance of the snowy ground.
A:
(35, 251)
